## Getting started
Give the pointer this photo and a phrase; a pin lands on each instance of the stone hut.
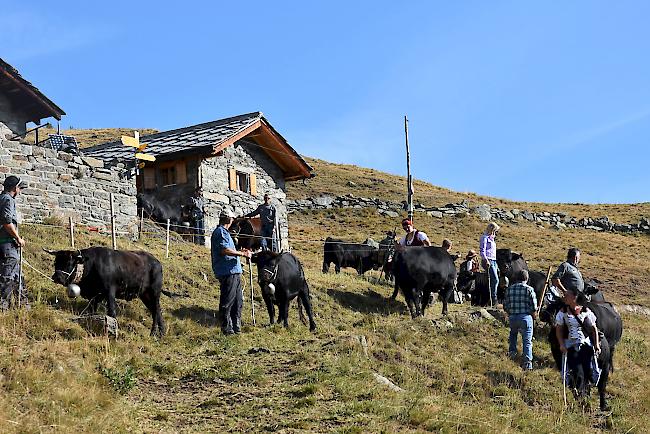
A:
(235, 160)
(21, 102)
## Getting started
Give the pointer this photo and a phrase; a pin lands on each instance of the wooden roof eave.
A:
(52, 108)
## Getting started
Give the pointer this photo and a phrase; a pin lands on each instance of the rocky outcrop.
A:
(554, 220)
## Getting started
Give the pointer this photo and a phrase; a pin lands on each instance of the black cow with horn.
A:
(106, 274)
(282, 279)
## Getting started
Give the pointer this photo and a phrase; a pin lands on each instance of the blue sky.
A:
(538, 101)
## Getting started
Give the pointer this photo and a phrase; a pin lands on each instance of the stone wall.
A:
(484, 212)
(248, 158)
(63, 185)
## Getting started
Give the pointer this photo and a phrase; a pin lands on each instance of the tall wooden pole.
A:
(409, 180)
(114, 235)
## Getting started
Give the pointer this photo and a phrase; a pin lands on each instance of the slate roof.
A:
(25, 96)
(208, 138)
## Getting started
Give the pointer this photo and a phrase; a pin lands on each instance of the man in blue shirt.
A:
(521, 305)
(227, 269)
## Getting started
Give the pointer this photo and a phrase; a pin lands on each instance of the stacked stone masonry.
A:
(63, 185)
(219, 197)
(485, 212)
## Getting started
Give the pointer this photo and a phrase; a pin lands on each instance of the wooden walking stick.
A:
(564, 369)
(541, 300)
(250, 280)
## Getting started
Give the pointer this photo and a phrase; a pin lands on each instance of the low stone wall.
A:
(484, 212)
(64, 185)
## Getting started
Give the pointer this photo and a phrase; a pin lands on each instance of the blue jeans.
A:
(493, 272)
(522, 323)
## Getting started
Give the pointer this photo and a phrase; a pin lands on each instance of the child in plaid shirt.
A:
(521, 305)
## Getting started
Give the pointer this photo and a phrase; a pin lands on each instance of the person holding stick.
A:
(227, 269)
(567, 276)
(521, 305)
(11, 244)
(488, 252)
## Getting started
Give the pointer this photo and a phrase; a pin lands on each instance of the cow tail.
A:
(301, 312)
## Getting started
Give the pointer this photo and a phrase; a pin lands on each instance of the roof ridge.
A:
(256, 114)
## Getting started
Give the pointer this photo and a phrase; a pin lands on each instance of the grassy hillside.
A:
(333, 179)
(55, 377)
(456, 376)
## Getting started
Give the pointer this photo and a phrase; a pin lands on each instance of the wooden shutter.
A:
(232, 178)
(253, 184)
(181, 172)
(149, 178)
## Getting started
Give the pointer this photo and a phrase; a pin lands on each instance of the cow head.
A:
(244, 234)
(508, 263)
(267, 270)
(68, 266)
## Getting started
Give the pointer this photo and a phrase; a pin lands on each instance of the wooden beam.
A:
(57, 112)
(218, 147)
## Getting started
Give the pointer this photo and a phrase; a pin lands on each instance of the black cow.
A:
(107, 274)
(509, 263)
(281, 278)
(361, 257)
(609, 323)
(419, 271)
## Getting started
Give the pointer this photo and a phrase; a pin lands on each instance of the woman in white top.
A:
(413, 237)
(581, 341)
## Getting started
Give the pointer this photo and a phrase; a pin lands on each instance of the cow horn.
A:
(51, 252)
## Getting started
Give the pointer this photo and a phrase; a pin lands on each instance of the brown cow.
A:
(247, 232)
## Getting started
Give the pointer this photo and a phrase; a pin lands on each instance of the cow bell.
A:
(73, 290)
(271, 288)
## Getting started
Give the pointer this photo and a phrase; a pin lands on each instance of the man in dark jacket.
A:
(196, 215)
(10, 243)
(267, 214)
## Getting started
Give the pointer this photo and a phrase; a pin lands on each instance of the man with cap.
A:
(227, 269)
(267, 214)
(10, 242)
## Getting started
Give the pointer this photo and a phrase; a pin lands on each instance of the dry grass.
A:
(53, 375)
(91, 136)
(333, 179)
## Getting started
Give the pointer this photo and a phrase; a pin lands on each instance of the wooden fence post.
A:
(167, 242)
(71, 233)
(114, 236)
(141, 223)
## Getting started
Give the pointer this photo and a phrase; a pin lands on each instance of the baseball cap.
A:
(12, 181)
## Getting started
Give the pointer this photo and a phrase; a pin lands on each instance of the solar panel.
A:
(64, 143)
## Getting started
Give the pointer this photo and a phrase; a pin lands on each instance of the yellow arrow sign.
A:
(144, 157)
(134, 142)
(130, 141)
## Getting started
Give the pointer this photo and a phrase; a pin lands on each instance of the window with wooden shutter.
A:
(253, 181)
(181, 172)
(232, 178)
(149, 175)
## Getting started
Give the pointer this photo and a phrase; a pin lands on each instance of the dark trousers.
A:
(579, 361)
(9, 273)
(230, 303)
(199, 231)
(268, 243)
